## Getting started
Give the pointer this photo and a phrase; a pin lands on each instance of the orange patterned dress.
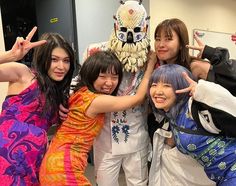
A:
(66, 157)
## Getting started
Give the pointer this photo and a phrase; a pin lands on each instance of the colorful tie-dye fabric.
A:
(23, 137)
(66, 159)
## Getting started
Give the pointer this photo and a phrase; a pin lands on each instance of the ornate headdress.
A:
(129, 38)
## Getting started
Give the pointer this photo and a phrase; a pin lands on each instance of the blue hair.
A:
(171, 74)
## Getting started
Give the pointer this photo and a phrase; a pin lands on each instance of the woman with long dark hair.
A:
(31, 105)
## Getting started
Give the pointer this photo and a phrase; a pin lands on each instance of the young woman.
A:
(171, 38)
(169, 97)
(172, 47)
(31, 105)
(100, 76)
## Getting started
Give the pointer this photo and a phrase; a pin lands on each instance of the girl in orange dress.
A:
(66, 159)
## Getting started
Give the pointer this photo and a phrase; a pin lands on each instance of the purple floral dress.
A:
(23, 137)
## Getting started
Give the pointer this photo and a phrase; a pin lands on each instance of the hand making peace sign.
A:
(22, 46)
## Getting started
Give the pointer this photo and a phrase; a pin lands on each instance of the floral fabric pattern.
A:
(216, 153)
(23, 137)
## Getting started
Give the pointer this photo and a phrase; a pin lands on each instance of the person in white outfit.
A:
(124, 140)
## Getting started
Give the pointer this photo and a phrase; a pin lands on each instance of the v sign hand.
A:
(200, 46)
(190, 88)
(22, 46)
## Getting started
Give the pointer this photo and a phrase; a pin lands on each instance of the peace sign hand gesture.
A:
(200, 46)
(191, 88)
(22, 46)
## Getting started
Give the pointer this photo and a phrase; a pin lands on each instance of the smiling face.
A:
(167, 47)
(60, 64)
(106, 82)
(162, 95)
(171, 38)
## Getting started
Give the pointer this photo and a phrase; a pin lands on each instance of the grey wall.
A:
(94, 20)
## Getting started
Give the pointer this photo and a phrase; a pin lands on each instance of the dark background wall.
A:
(18, 18)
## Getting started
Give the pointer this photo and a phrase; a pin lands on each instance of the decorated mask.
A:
(129, 39)
(131, 23)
